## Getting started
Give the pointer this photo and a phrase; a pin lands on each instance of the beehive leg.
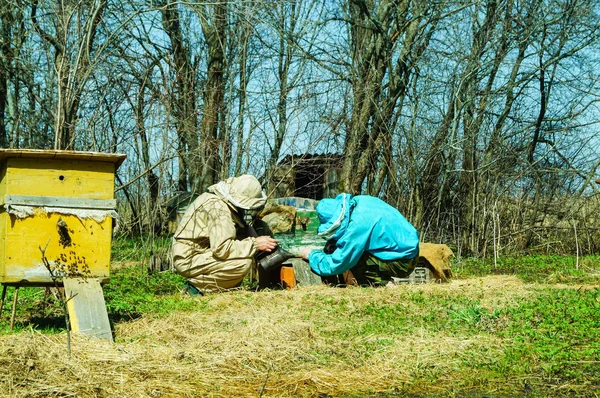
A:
(14, 309)
(87, 310)
(3, 297)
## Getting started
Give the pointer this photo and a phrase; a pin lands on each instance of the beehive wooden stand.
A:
(58, 207)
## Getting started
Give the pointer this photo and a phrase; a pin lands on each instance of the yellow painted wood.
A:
(56, 211)
(2, 180)
(87, 310)
(80, 248)
(85, 251)
(63, 178)
(82, 172)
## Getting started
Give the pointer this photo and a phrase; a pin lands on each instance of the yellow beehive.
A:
(56, 206)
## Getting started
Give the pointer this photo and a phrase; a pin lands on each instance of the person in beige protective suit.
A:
(210, 246)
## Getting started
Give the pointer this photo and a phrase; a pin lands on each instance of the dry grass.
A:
(279, 343)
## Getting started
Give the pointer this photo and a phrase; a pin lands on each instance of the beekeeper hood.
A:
(334, 215)
(243, 192)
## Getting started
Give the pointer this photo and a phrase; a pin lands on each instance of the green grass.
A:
(138, 248)
(547, 336)
(533, 268)
(553, 336)
(37, 308)
(132, 293)
(558, 333)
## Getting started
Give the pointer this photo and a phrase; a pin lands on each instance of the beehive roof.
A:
(115, 158)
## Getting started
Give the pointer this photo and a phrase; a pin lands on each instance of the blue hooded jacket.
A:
(361, 224)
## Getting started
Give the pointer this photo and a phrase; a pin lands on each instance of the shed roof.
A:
(324, 159)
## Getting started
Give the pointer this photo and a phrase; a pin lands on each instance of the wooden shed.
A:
(313, 176)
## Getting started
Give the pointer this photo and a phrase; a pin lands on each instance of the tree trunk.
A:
(214, 93)
(374, 34)
(151, 178)
(6, 22)
(184, 101)
(467, 98)
(286, 29)
(243, 85)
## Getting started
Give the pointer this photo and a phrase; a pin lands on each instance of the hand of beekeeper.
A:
(266, 243)
(304, 252)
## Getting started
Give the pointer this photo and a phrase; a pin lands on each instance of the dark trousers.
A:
(371, 271)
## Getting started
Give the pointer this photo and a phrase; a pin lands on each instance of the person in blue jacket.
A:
(366, 236)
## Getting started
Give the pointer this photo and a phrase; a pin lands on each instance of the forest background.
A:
(477, 119)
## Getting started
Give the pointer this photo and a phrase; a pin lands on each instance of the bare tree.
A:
(387, 38)
(214, 140)
(6, 23)
(73, 59)
(245, 32)
(184, 99)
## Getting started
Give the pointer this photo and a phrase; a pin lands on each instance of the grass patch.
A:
(132, 293)
(557, 332)
(138, 248)
(528, 327)
(37, 309)
(534, 268)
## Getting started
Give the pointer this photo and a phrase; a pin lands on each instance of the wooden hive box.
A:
(61, 202)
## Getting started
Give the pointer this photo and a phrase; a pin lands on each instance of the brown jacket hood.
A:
(244, 192)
